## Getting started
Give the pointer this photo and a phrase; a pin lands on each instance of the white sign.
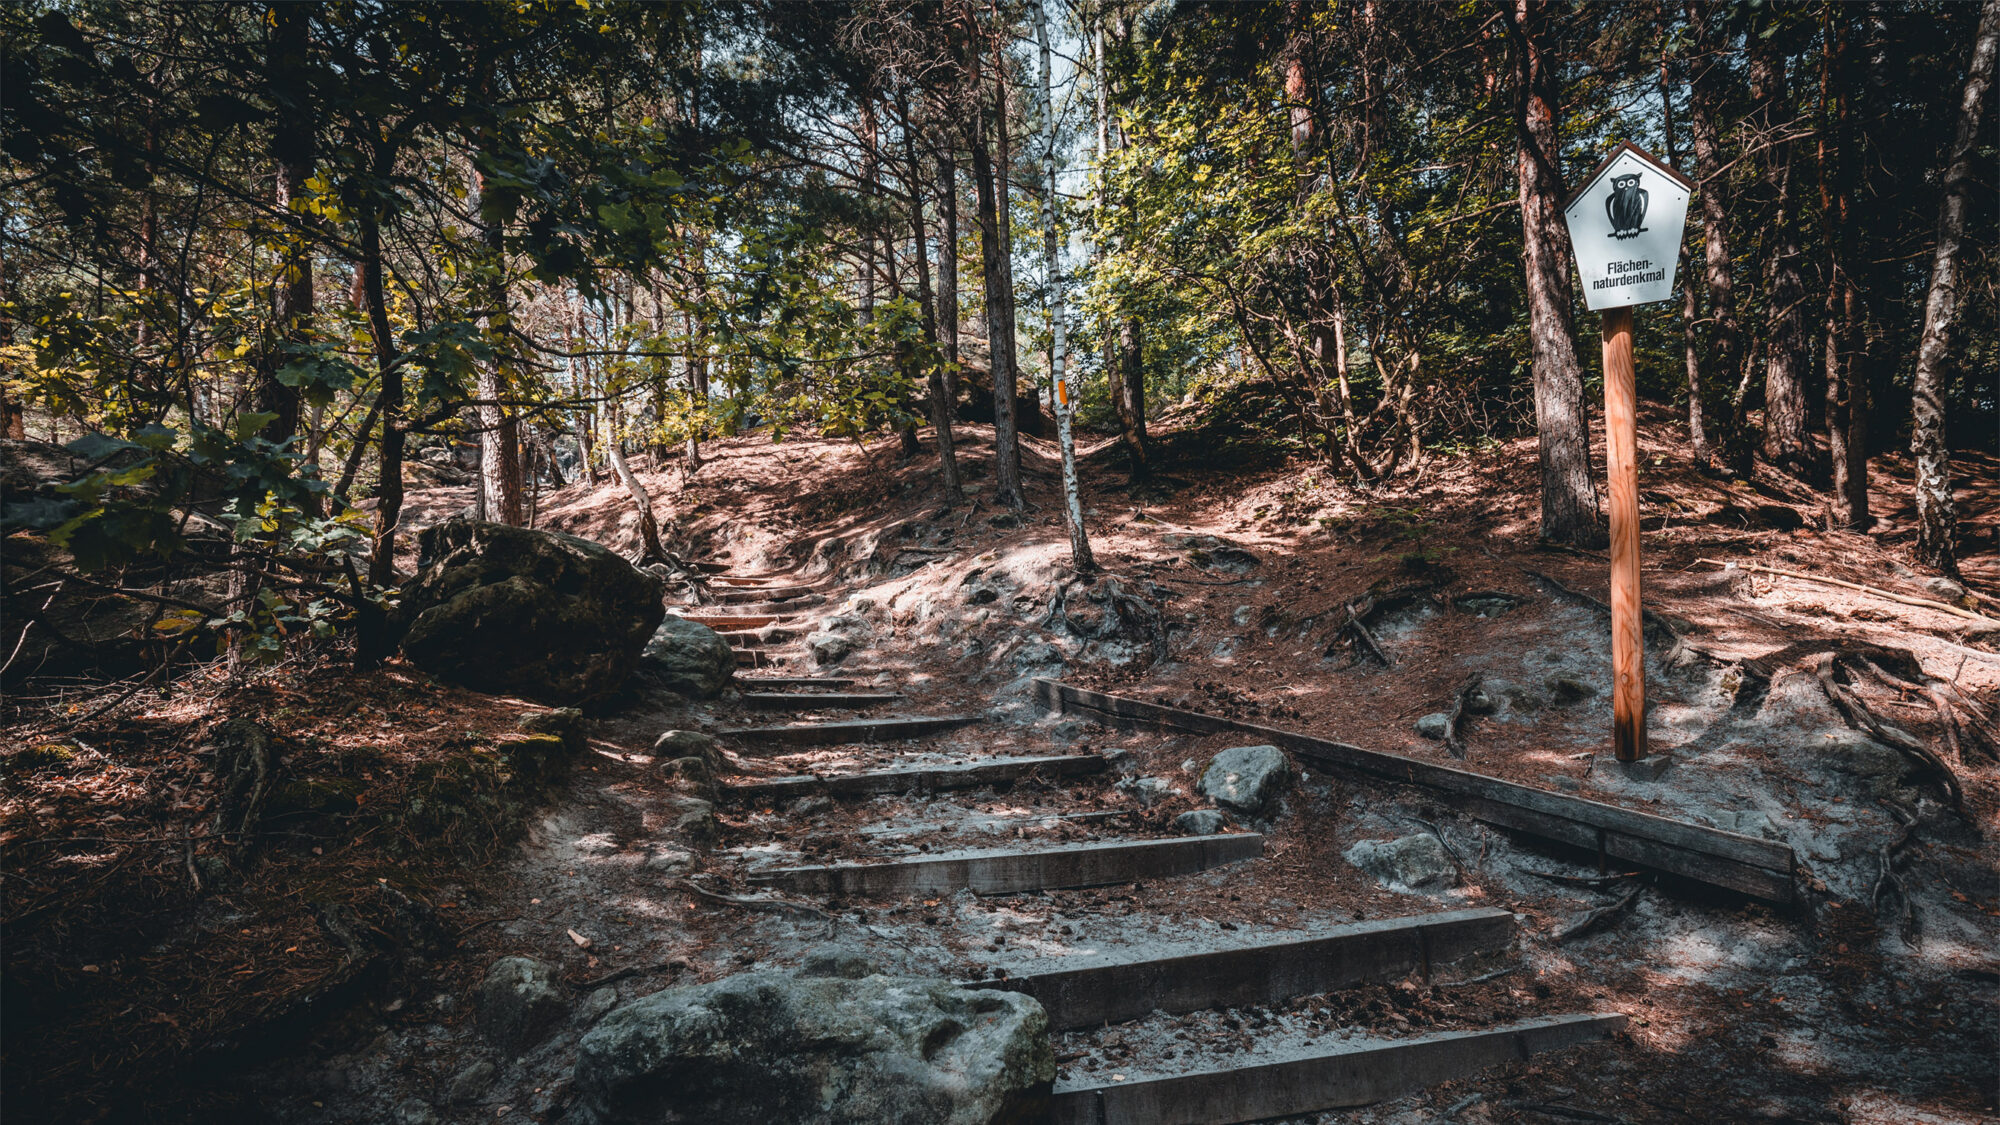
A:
(1625, 224)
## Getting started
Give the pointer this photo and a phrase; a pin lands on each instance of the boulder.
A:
(689, 658)
(518, 1002)
(565, 723)
(1201, 822)
(687, 744)
(825, 1047)
(829, 648)
(1405, 864)
(533, 613)
(1246, 778)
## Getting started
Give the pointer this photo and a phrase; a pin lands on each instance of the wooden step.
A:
(918, 779)
(1744, 864)
(780, 682)
(770, 636)
(722, 623)
(761, 594)
(753, 658)
(1077, 993)
(779, 740)
(799, 701)
(789, 608)
(1013, 870)
(1335, 1078)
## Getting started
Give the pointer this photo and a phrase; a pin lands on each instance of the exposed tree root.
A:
(1593, 920)
(1858, 715)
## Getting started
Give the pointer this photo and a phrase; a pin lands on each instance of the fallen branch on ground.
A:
(754, 902)
(1905, 599)
(1454, 738)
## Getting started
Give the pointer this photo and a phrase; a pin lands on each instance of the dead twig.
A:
(754, 902)
(1454, 735)
(1364, 641)
(1594, 882)
(1905, 599)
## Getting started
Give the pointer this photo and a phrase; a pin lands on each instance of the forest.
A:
(369, 369)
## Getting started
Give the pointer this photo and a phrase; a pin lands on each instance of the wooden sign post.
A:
(1625, 224)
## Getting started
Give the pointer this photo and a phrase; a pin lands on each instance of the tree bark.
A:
(499, 430)
(995, 246)
(1845, 360)
(1061, 389)
(1722, 406)
(1569, 495)
(1936, 515)
(948, 276)
(389, 491)
(940, 402)
(1690, 338)
(1786, 442)
(292, 147)
(1124, 356)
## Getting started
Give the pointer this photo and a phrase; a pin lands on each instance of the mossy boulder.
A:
(534, 613)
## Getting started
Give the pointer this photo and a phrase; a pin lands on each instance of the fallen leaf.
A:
(581, 941)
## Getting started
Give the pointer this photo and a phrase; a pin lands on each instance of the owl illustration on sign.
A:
(1626, 207)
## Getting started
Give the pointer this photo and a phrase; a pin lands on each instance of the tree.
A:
(1569, 495)
(1063, 388)
(1936, 515)
(990, 171)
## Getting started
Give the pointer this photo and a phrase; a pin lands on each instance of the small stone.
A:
(841, 962)
(1242, 615)
(1201, 822)
(565, 723)
(1036, 655)
(1946, 590)
(695, 770)
(1405, 864)
(828, 648)
(693, 820)
(687, 744)
(1566, 690)
(669, 860)
(468, 1084)
(415, 1112)
(595, 1005)
(1435, 726)
(1246, 778)
(1148, 791)
(1648, 768)
(518, 1002)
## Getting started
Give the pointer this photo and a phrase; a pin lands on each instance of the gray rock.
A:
(415, 1112)
(468, 1084)
(1649, 768)
(687, 744)
(779, 1047)
(812, 806)
(669, 860)
(1434, 726)
(692, 819)
(1566, 690)
(518, 1002)
(839, 962)
(690, 658)
(1246, 778)
(1405, 864)
(696, 772)
(1201, 822)
(1037, 654)
(535, 613)
(1242, 615)
(1946, 590)
(1148, 791)
(565, 723)
(1004, 521)
(595, 1005)
(1478, 702)
(828, 648)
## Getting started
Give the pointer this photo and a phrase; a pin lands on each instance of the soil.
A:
(1834, 1011)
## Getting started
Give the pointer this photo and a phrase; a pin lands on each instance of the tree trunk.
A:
(1569, 495)
(948, 277)
(291, 146)
(995, 251)
(1124, 357)
(1846, 374)
(1936, 517)
(1786, 442)
(651, 550)
(389, 491)
(1723, 405)
(499, 430)
(1690, 340)
(1063, 391)
(940, 403)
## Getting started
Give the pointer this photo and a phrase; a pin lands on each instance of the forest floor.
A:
(1873, 1000)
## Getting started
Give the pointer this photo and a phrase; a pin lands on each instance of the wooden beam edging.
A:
(1337, 1078)
(915, 779)
(1012, 871)
(1761, 869)
(759, 740)
(1257, 974)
